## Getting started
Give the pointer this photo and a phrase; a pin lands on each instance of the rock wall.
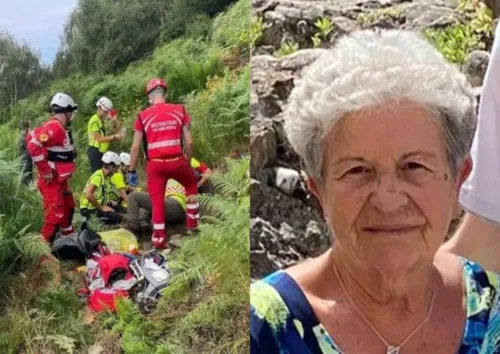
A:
(286, 221)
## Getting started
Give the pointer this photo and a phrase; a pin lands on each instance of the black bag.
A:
(77, 246)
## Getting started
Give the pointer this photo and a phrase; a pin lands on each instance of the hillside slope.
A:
(41, 310)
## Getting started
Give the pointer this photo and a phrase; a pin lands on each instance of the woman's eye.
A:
(413, 166)
(358, 170)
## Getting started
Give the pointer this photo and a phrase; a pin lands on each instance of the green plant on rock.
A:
(369, 18)
(481, 17)
(324, 26)
(287, 48)
(457, 41)
(454, 42)
(256, 30)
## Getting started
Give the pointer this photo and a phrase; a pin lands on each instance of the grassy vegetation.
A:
(205, 309)
(457, 41)
(287, 48)
(370, 18)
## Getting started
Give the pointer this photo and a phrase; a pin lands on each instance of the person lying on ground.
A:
(478, 235)
(397, 121)
(175, 206)
(175, 199)
(98, 138)
(93, 201)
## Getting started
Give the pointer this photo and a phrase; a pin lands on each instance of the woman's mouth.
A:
(390, 229)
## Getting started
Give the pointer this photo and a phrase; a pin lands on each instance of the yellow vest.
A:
(96, 125)
(176, 190)
(103, 187)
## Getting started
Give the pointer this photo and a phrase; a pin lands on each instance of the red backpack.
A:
(110, 278)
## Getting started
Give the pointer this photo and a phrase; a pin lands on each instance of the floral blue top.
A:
(283, 322)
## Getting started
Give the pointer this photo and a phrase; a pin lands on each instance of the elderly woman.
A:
(384, 125)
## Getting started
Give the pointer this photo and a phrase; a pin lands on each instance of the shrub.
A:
(220, 115)
(231, 28)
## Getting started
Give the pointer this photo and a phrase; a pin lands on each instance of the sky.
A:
(38, 22)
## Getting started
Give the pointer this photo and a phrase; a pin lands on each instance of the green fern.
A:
(63, 342)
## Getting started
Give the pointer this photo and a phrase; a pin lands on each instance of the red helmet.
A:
(154, 83)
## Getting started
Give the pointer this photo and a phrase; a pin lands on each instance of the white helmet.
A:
(111, 157)
(125, 158)
(63, 101)
(105, 104)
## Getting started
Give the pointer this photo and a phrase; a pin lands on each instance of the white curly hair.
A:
(367, 69)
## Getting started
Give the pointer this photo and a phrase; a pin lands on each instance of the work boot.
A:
(159, 239)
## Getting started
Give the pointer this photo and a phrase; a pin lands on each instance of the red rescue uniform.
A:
(161, 126)
(52, 150)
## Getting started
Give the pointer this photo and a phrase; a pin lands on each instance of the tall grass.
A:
(220, 115)
(21, 212)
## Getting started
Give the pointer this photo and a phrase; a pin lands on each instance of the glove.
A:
(132, 179)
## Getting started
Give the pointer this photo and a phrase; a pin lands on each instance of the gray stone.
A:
(262, 145)
(475, 67)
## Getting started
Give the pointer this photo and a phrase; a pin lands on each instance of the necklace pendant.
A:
(392, 350)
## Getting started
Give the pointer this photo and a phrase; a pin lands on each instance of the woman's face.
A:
(388, 193)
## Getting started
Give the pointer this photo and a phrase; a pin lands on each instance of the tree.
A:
(21, 72)
(105, 36)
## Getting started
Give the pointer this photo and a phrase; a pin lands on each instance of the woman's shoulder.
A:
(279, 312)
(482, 306)
(482, 287)
(266, 296)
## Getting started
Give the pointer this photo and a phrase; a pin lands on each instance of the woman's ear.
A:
(463, 173)
(314, 188)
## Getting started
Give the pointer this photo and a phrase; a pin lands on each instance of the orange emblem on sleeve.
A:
(44, 138)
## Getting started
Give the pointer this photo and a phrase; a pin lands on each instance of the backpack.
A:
(156, 277)
(110, 278)
(77, 246)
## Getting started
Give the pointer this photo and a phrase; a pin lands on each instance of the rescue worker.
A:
(175, 200)
(24, 156)
(98, 140)
(51, 149)
(202, 173)
(162, 127)
(93, 200)
(121, 189)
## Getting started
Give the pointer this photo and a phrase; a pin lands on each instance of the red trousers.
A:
(58, 208)
(159, 172)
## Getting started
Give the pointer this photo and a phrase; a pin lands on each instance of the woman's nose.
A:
(387, 195)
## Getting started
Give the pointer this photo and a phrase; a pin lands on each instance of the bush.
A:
(21, 212)
(231, 28)
(220, 114)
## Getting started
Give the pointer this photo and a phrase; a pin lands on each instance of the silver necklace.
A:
(391, 349)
